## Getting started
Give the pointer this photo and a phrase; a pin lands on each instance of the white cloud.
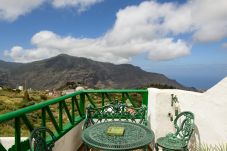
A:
(149, 27)
(10, 10)
(210, 19)
(82, 5)
(48, 44)
(166, 49)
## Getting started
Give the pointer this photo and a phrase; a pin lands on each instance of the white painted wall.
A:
(7, 142)
(210, 109)
(71, 141)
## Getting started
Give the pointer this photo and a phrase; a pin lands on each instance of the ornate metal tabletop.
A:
(135, 136)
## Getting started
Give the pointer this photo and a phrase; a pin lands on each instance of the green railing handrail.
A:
(116, 91)
(76, 102)
(19, 112)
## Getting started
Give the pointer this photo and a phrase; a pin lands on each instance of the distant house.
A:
(79, 88)
(21, 88)
(53, 93)
(1, 88)
(30, 89)
(50, 93)
(68, 91)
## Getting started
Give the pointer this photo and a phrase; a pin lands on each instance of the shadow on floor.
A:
(82, 149)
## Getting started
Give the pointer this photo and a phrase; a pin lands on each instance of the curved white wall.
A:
(210, 109)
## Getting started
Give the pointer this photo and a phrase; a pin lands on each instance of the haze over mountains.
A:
(57, 71)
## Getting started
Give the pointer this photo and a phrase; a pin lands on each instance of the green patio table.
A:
(135, 136)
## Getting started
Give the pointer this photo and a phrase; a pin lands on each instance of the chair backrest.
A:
(184, 124)
(38, 142)
(113, 112)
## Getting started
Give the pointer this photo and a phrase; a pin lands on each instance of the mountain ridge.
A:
(56, 71)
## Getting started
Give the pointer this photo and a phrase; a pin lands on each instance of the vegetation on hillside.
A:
(159, 86)
(11, 100)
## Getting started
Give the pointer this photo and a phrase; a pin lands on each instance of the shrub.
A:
(18, 90)
(43, 97)
(206, 147)
(26, 96)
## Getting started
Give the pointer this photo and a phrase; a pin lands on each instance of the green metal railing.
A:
(65, 112)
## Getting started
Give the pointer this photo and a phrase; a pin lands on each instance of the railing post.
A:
(130, 99)
(43, 117)
(90, 100)
(108, 97)
(52, 118)
(60, 115)
(17, 134)
(123, 97)
(103, 99)
(82, 104)
(78, 107)
(73, 107)
(27, 122)
(64, 105)
(123, 101)
(145, 98)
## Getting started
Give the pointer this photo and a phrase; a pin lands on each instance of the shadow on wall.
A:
(152, 144)
(195, 140)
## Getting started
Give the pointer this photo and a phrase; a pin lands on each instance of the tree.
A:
(26, 96)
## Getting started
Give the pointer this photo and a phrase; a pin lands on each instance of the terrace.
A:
(65, 115)
(67, 121)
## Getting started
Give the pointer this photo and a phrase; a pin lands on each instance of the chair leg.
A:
(156, 147)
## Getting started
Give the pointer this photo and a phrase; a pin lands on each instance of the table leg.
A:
(86, 148)
(145, 148)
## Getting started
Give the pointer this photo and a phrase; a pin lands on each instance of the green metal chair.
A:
(178, 141)
(113, 112)
(38, 141)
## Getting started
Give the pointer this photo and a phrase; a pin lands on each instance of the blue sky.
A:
(186, 41)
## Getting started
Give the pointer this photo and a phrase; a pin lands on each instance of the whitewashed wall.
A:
(210, 109)
(7, 142)
(71, 141)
